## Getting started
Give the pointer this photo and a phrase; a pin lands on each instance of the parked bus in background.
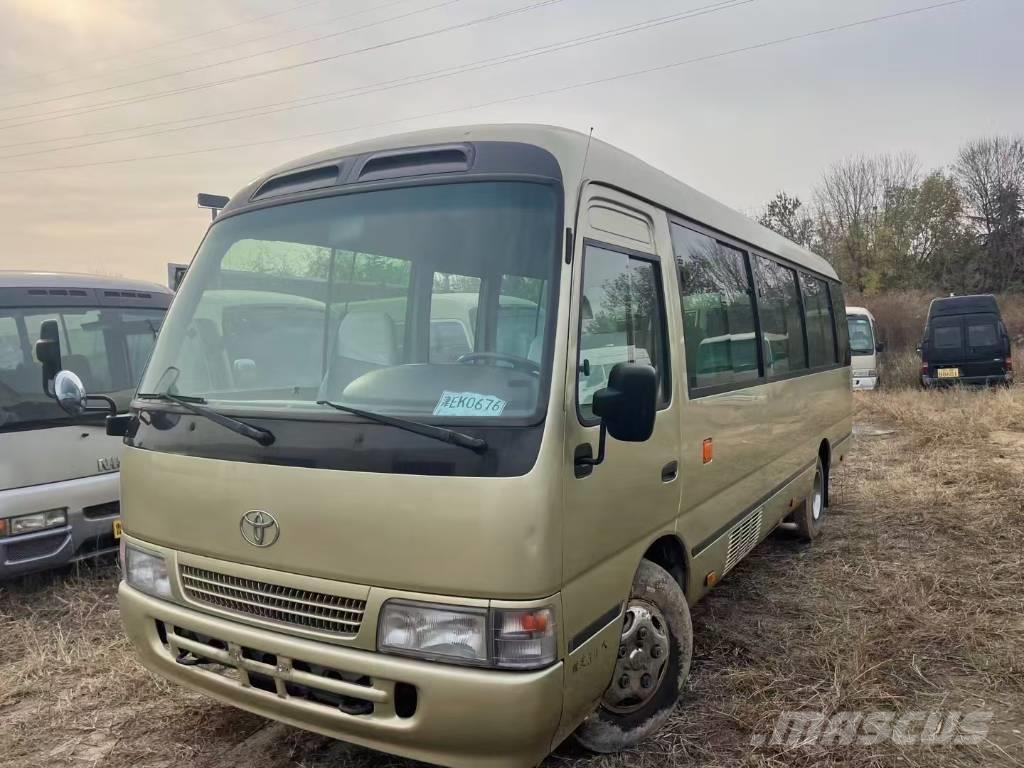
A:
(465, 558)
(965, 342)
(58, 476)
(864, 348)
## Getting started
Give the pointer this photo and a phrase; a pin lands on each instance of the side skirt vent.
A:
(742, 538)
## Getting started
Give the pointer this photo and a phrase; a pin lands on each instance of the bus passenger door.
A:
(621, 312)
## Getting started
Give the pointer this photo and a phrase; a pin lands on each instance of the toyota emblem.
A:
(259, 528)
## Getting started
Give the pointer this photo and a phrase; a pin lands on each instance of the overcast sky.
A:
(739, 127)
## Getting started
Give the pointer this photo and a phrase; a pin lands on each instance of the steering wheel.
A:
(515, 362)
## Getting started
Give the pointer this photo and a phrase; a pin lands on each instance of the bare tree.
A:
(990, 175)
(856, 199)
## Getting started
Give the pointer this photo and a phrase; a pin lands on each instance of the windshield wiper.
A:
(196, 406)
(427, 430)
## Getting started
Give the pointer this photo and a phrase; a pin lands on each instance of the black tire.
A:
(625, 716)
(810, 518)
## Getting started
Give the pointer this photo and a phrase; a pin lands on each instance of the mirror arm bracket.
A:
(108, 404)
(587, 461)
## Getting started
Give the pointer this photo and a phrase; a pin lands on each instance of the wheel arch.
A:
(669, 552)
(825, 454)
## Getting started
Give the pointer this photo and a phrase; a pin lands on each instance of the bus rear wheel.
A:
(653, 663)
(810, 518)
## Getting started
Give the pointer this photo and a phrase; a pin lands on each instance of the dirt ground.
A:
(913, 600)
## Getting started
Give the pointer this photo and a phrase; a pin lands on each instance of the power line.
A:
(101, 106)
(222, 62)
(248, 113)
(172, 42)
(193, 54)
(508, 99)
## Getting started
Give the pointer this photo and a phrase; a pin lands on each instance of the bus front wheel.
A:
(653, 663)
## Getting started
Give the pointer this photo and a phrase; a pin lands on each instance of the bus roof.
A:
(27, 279)
(605, 164)
(859, 311)
(22, 288)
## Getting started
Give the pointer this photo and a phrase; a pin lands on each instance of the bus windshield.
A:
(107, 347)
(862, 339)
(426, 302)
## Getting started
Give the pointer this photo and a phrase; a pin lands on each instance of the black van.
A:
(965, 342)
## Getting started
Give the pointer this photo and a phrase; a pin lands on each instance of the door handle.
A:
(669, 472)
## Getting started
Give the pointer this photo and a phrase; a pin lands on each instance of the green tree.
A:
(786, 215)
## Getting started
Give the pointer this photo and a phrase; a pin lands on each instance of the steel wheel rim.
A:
(644, 650)
(817, 497)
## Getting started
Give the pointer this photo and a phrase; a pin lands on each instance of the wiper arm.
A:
(427, 430)
(195, 405)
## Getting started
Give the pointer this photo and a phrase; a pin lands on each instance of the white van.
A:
(864, 348)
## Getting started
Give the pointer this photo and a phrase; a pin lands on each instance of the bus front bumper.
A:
(438, 713)
(865, 382)
(91, 505)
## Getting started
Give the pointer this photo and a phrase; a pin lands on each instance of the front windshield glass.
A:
(425, 302)
(107, 347)
(862, 339)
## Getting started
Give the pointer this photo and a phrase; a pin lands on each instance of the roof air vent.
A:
(418, 161)
(300, 181)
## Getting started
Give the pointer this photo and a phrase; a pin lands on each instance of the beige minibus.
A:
(463, 545)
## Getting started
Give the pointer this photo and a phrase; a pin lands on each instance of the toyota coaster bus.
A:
(58, 476)
(334, 520)
(864, 348)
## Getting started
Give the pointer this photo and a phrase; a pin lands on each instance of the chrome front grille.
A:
(743, 538)
(273, 602)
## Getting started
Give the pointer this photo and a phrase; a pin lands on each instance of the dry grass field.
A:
(913, 600)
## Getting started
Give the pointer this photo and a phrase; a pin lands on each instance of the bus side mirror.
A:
(628, 404)
(880, 346)
(626, 407)
(69, 391)
(70, 394)
(48, 353)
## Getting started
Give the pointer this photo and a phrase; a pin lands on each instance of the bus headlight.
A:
(440, 632)
(519, 638)
(147, 572)
(865, 373)
(37, 521)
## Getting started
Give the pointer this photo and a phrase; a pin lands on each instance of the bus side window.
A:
(718, 311)
(622, 319)
(842, 328)
(821, 340)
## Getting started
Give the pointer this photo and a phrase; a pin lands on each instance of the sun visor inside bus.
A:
(449, 158)
(299, 181)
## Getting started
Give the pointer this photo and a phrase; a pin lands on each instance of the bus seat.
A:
(367, 337)
(366, 341)
(26, 379)
(80, 365)
(536, 350)
(214, 353)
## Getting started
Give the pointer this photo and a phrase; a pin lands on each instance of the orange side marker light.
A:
(708, 452)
